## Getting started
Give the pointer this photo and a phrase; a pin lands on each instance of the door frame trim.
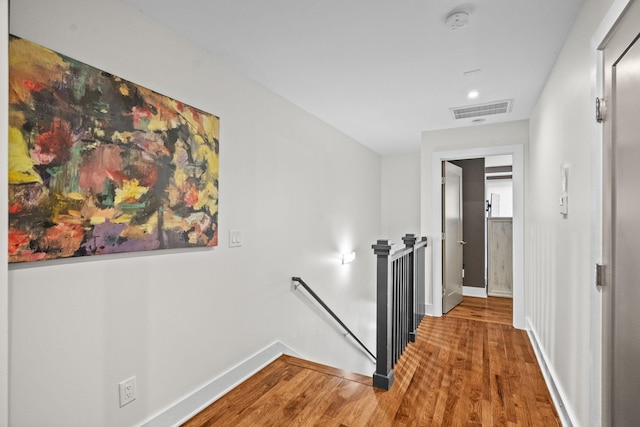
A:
(605, 30)
(517, 151)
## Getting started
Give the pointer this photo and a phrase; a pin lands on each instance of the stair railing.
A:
(400, 293)
(348, 331)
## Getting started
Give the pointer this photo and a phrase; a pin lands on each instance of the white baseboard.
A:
(471, 291)
(192, 404)
(428, 309)
(547, 372)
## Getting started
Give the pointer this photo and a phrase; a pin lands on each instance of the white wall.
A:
(400, 196)
(493, 161)
(300, 191)
(501, 187)
(504, 189)
(563, 306)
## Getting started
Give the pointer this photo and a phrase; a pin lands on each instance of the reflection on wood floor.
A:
(467, 368)
(491, 309)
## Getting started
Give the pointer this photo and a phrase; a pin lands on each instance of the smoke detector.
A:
(456, 20)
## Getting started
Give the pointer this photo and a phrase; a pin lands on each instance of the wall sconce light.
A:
(348, 258)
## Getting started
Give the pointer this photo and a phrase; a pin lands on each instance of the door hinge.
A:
(599, 276)
(601, 109)
(443, 235)
(442, 180)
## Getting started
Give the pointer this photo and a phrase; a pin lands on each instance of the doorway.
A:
(485, 243)
(517, 153)
(621, 230)
(473, 226)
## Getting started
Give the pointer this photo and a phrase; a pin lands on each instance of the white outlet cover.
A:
(127, 391)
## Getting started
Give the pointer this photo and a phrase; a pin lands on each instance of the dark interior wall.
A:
(473, 217)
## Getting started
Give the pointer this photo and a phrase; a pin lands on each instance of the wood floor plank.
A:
(468, 368)
(355, 404)
(492, 309)
(236, 400)
(363, 379)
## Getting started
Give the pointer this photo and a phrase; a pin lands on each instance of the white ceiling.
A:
(381, 71)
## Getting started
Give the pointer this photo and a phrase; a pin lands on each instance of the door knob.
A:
(462, 242)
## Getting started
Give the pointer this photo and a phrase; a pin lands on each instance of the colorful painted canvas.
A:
(99, 165)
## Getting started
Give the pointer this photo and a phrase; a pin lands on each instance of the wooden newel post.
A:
(409, 242)
(383, 377)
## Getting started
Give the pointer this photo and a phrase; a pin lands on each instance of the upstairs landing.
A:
(466, 368)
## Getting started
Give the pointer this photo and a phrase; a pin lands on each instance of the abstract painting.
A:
(99, 165)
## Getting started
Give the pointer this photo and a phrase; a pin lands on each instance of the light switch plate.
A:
(235, 238)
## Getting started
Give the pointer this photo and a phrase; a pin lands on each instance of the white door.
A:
(452, 244)
(621, 212)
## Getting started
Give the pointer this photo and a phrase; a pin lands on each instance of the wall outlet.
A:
(127, 391)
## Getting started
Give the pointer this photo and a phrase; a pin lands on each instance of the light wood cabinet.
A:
(500, 256)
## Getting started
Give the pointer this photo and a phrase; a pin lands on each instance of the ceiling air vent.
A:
(479, 110)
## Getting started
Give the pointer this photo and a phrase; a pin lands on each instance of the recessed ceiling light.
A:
(473, 94)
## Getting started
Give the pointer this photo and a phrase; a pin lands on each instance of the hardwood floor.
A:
(492, 309)
(467, 368)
